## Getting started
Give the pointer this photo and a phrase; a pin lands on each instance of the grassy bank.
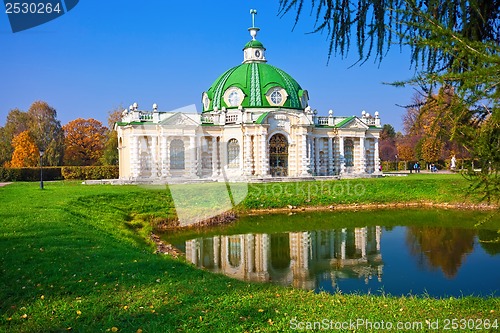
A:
(75, 257)
(436, 188)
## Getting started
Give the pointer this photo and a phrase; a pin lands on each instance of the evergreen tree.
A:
(453, 43)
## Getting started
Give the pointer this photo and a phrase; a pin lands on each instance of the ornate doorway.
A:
(278, 155)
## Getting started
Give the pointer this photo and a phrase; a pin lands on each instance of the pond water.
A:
(396, 252)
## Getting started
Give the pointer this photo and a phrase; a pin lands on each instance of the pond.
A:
(397, 252)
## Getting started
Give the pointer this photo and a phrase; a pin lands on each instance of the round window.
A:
(206, 101)
(234, 98)
(276, 97)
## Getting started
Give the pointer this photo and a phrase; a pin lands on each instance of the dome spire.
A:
(253, 50)
(253, 30)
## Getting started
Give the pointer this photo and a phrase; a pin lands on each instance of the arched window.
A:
(349, 153)
(177, 154)
(233, 154)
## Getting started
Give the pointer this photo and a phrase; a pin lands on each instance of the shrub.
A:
(90, 172)
(29, 174)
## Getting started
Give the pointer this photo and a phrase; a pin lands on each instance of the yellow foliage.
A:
(25, 153)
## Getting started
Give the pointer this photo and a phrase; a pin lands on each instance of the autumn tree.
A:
(388, 132)
(411, 115)
(25, 153)
(16, 123)
(427, 124)
(431, 149)
(387, 143)
(47, 132)
(434, 123)
(5, 148)
(84, 141)
(110, 153)
(406, 148)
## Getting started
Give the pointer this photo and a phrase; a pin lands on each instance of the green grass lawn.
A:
(76, 257)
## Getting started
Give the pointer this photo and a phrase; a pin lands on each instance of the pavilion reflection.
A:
(300, 259)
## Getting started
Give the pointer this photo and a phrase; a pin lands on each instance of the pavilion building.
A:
(256, 123)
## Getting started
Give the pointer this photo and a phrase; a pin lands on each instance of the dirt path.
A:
(3, 184)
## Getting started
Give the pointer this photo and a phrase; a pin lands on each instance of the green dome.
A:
(254, 85)
(254, 43)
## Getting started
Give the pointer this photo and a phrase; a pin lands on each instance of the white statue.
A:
(453, 163)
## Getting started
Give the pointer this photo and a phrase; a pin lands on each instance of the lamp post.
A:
(41, 169)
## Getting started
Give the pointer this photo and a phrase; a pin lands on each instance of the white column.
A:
(222, 155)
(154, 157)
(316, 155)
(305, 250)
(264, 155)
(252, 154)
(250, 248)
(312, 154)
(195, 247)
(343, 243)
(363, 243)
(135, 163)
(362, 157)
(192, 156)
(378, 234)
(341, 155)
(215, 159)
(330, 157)
(163, 156)
(331, 237)
(216, 251)
(376, 159)
(169, 139)
(265, 252)
(247, 149)
(303, 151)
(198, 155)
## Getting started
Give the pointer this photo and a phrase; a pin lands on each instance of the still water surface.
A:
(355, 252)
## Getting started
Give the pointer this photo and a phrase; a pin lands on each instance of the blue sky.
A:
(104, 54)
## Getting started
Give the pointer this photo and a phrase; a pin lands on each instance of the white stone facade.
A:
(245, 144)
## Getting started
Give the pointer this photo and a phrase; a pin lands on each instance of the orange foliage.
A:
(405, 151)
(25, 153)
(432, 149)
(84, 140)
